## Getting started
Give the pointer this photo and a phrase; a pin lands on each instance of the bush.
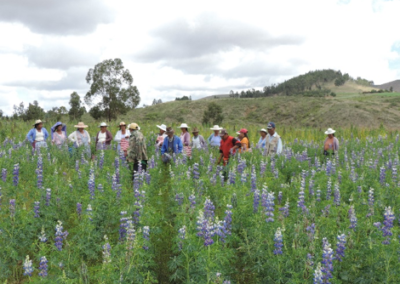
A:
(213, 114)
(333, 94)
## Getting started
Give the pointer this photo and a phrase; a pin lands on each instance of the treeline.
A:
(310, 84)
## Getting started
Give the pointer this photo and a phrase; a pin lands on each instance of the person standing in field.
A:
(172, 145)
(244, 140)
(215, 140)
(137, 150)
(228, 147)
(59, 134)
(185, 138)
(331, 144)
(161, 135)
(81, 138)
(122, 137)
(198, 141)
(103, 137)
(38, 135)
(263, 139)
(273, 143)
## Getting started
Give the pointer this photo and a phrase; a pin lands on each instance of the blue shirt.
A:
(177, 145)
(31, 136)
(214, 141)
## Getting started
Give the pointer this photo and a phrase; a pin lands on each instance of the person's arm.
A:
(164, 147)
(72, 137)
(29, 136)
(326, 148)
(279, 146)
(202, 141)
(180, 145)
(45, 134)
(88, 135)
(109, 137)
(336, 144)
(97, 138)
(236, 144)
(210, 138)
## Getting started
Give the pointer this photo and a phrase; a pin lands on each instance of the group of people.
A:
(131, 142)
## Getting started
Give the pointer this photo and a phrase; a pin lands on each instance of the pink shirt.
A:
(59, 139)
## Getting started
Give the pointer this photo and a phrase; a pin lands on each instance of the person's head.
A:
(330, 132)
(122, 126)
(242, 133)
(38, 124)
(271, 128)
(216, 129)
(59, 128)
(162, 128)
(103, 127)
(263, 133)
(133, 127)
(80, 126)
(184, 127)
(195, 132)
(223, 134)
(170, 132)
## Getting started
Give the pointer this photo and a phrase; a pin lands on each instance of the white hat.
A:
(37, 122)
(216, 127)
(263, 130)
(162, 127)
(80, 125)
(330, 131)
(103, 124)
(184, 125)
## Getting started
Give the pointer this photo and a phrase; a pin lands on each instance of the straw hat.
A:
(195, 130)
(330, 131)
(216, 127)
(122, 124)
(80, 125)
(37, 122)
(133, 126)
(184, 125)
(162, 127)
(103, 124)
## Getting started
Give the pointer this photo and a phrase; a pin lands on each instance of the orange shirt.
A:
(245, 145)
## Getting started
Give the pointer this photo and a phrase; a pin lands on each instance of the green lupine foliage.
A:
(247, 255)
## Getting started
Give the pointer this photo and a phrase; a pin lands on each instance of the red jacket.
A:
(227, 145)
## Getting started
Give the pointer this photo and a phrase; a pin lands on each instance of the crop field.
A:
(294, 218)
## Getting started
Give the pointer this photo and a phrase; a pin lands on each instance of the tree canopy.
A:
(77, 110)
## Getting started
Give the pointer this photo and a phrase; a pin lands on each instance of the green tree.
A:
(77, 110)
(213, 114)
(33, 112)
(113, 84)
(96, 112)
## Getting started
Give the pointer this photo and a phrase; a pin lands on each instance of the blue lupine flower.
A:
(146, 236)
(60, 235)
(300, 202)
(205, 229)
(123, 225)
(256, 200)
(278, 242)
(318, 277)
(16, 175)
(4, 175)
(353, 218)
(327, 259)
(79, 208)
(36, 209)
(280, 195)
(232, 177)
(318, 194)
(329, 189)
(371, 201)
(101, 160)
(77, 165)
(209, 209)
(192, 199)
(243, 177)
(269, 207)
(28, 269)
(336, 195)
(382, 175)
(311, 232)
(100, 188)
(91, 184)
(179, 198)
(12, 208)
(89, 212)
(196, 171)
(106, 251)
(48, 196)
(130, 235)
(253, 179)
(328, 169)
(310, 260)
(43, 267)
(285, 209)
(340, 247)
(388, 224)
(228, 220)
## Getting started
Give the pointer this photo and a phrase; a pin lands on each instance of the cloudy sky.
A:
(198, 48)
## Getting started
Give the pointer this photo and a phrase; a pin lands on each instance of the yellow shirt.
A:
(245, 144)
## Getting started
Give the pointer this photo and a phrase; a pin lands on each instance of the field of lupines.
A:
(297, 218)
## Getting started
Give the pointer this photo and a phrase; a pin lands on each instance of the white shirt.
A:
(119, 135)
(102, 137)
(196, 142)
(73, 137)
(279, 146)
(39, 136)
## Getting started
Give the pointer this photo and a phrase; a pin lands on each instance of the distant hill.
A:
(387, 86)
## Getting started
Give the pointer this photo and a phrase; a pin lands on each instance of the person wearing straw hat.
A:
(273, 143)
(185, 137)
(198, 141)
(137, 151)
(172, 145)
(122, 137)
(103, 137)
(331, 144)
(263, 139)
(215, 140)
(59, 134)
(244, 140)
(161, 135)
(81, 138)
(38, 135)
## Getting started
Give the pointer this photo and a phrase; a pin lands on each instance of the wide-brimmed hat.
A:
(37, 122)
(184, 125)
(133, 126)
(122, 123)
(216, 127)
(169, 130)
(223, 132)
(80, 125)
(330, 131)
(263, 130)
(162, 127)
(103, 124)
(195, 130)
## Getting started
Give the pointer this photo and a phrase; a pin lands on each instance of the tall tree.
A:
(77, 110)
(213, 114)
(113, 84)
(33, 112)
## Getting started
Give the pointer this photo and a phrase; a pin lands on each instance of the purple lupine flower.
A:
(16, 175)
(253, 179)
(278, 242)
(388, 224)
(182, 236)
(130, 235)
(48, 196)
(359, 189)
(28, 269)
(146, 236)
(42, 236)
(336, 195)
(192, 199)
(12, 208)
(310, 260)
(228, 220)
(327, 259)
(341, 246)
(77, 165)
(60, 236)
(300, 202)
(89, 212)
(256, 200)
(280, 197)
(353, 218)
(371, 201)
(243, 178)
(311, 187)
(382, 175)
(179, 198)
(91, 184)
(209, 209)
(311, 232)
(196, 171)
(394, 174)
(318, 194)
(285, 209)
(205, 229)
(329, 190)
(106, 251)
(79, 209)
(340, 177)
(232, 176)
(263, 167)
(318, 277)
(36, 209)
(123, 225)
(43, 267)
(269, 206)
(4, 175)
(328, 168)
(101, 160)
(100, 188)
(325, 211)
